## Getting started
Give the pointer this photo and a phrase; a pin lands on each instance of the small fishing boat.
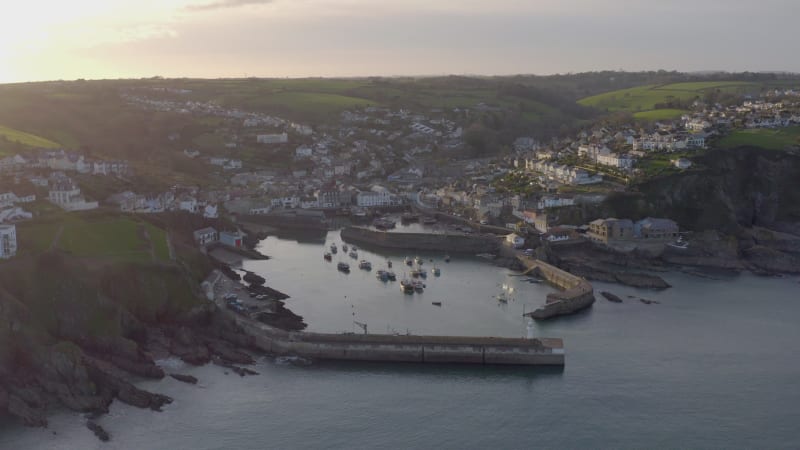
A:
(447, 258)
(354, 255)
(334, 250)
(343, 267)
(344, 247)
(365, 265)
(436, 303)
(389, 263)
(408, 261)
(407, 286)
(419, 261)
(415, 273)
(419, 287)
(382, 275)
(423, 274)
(391, 276)
(429, 221)
(327, 256)
(436, 271)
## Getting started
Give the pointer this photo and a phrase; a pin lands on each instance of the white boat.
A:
(679, 244)
(407, 286)
(365, 265)
(419, 261)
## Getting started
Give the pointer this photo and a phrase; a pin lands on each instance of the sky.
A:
(93, 39)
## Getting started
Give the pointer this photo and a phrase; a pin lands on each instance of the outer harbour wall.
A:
(452, 243)
(413, 349)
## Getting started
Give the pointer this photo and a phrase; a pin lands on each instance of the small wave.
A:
(292, 360)
(171, 363)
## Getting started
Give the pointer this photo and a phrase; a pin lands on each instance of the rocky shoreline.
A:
(758, 250)
(85, 378)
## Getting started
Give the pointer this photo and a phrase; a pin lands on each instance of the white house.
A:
(281, 138)
(682, 163)
(381, 198)
(303, 151)
(515, 240)
(8, 241)
(210, 212)
(206, 235)
(66, 194)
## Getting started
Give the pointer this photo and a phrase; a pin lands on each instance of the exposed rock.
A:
(184, 378)
(254, 278)
(641, 280)
(98, 431)
(611, 297)
(29, 415)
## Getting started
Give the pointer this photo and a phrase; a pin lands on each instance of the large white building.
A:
(384, 198)
(66, 194)
(281, 138)
(8, 241)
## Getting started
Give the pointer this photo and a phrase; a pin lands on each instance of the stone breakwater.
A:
(405, 348)
(445, 242)
(577, 293)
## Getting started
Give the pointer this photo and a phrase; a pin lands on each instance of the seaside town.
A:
(377, 159)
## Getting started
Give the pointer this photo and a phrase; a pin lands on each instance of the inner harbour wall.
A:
(576, 294)
(445, 242)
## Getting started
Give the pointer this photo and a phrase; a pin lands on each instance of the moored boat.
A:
(382, 275)
(419, 261)
(365, 265)
(391, 276)
(334, 250)
(418, 286)
(447, 258)
(436, 271)
(327, 256)
(343, 267)
(436, 303)
(408, 261)
(407, 286)
(389, 263)
(354, 254)
(344, 247)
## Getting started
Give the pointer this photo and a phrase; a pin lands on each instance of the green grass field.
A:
(306, 102)
(31, 140)
(771, 139)
(644, 98)
(116, 238)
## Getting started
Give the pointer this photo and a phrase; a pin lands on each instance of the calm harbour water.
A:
(712, 366)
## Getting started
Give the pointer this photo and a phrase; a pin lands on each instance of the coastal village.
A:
(376, 159)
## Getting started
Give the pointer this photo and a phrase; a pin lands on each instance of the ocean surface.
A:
(713, 365)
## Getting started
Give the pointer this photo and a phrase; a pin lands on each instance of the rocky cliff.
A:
(72, 333)
(729, 190)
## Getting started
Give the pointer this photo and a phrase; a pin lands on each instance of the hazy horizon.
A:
(92, 39)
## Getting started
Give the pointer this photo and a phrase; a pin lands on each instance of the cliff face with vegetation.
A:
(741, 205)
(74, 328)
(728, 190)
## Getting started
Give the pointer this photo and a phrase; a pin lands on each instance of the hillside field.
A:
(771, 139)
(644, 98)
(27, 139)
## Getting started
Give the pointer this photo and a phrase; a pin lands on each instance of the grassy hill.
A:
(96, 235)
(771, 139)
(644, 101)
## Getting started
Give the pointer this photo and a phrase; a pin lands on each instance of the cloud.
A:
(225, 4)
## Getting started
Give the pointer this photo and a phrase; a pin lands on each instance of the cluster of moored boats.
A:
(407, 285)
